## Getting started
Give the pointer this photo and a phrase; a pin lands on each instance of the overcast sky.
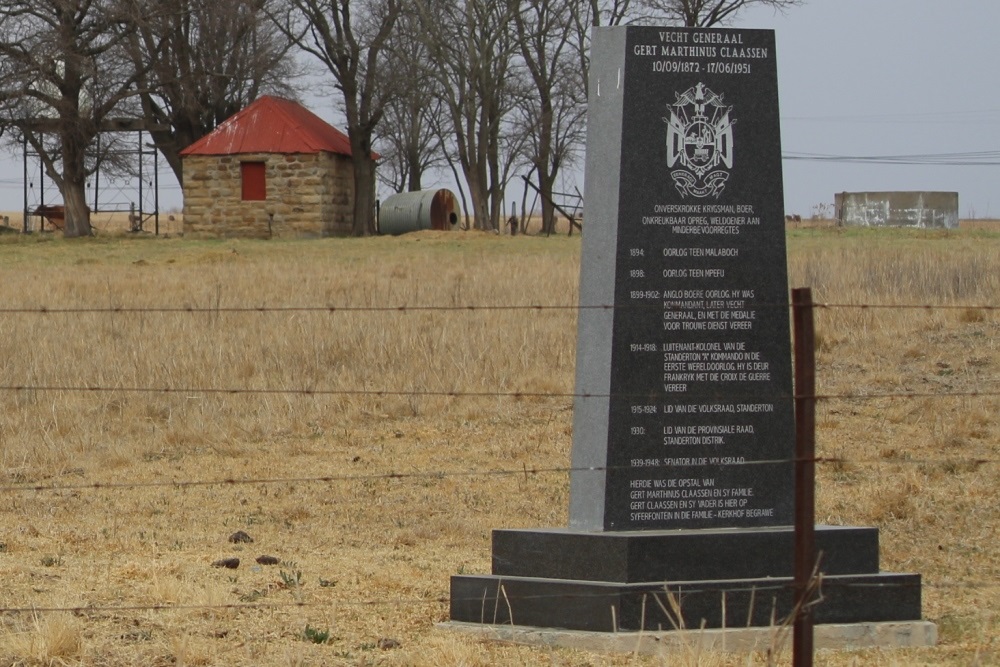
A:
(857, 78)
(889, 78)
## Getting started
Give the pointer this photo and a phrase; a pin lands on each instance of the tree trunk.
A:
(73, 187)
(414, 182)
(169, 143)
(480, 205)
(543, 161)
(77, 212)
(496, 206)
(548, 210)
(364, 195)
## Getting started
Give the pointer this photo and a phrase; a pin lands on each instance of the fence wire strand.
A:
(656, 304)
(454, 393)
(443, 474)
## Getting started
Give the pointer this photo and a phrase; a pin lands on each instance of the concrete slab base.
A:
(847, 636)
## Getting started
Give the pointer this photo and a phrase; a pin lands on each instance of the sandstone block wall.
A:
(307, 195)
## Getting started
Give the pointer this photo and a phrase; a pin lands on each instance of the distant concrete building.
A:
(897, 209)
(272, 169)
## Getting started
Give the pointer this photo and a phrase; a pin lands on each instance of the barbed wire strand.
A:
(404, 308)
(496, 472)
(452, 393)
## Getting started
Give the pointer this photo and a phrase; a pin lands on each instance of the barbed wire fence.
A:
(14, 386)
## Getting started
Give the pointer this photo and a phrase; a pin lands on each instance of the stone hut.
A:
(272, 169)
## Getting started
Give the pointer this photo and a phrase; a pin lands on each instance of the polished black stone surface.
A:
(609, 607)
(699, 430)
(681, 555)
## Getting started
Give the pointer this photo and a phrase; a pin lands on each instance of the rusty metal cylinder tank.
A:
(423, 209)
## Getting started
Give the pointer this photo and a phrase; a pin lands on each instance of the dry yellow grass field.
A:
(372, 451)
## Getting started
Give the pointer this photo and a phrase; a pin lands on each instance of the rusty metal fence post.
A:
(805, 472)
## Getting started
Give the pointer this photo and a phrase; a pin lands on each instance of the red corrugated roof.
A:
(272, 125)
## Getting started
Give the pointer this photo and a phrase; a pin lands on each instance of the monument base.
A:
(842, 637)
(669, 580)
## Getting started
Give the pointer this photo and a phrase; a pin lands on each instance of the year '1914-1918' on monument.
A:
(683, 432)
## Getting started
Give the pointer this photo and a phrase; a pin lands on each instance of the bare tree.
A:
(594, 14)
(707, 13)
(410, 141)
(63, 73)
(471, 44)
(349, 38)
(202, 61)
(553, 112)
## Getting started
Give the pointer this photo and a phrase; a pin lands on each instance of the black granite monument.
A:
(683, 422)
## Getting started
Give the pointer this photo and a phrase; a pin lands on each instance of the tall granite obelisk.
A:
(683, 431)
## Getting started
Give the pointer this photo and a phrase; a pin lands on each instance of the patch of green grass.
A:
(291, 579)
(253, 595)
(51, 561)
(316, 636)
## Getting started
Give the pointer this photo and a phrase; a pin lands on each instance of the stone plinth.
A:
(628, 581)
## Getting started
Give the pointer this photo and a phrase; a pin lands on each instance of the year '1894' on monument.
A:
(683, 432)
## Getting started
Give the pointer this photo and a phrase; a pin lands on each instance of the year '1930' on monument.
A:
(683, 431)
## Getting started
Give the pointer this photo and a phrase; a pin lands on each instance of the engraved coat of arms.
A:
(699, 142)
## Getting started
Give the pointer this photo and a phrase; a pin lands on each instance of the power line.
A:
(963, 116)
(964, 159)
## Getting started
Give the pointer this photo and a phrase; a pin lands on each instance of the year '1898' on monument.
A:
(683, 432)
